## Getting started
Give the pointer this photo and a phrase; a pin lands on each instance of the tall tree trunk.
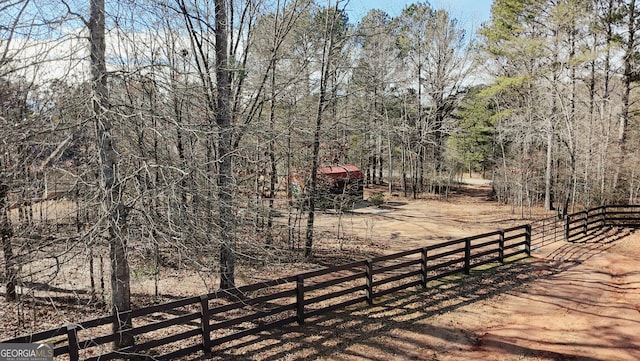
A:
(548, 201)
(226, 188)
(111, 192)
(390, 162)
(322, 104)
(273, 181)
(419, 169)
(551, 129)
(606, 98)
(6, 232)
(587, 190)
(626, 92)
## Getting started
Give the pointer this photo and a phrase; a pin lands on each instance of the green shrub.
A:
(377, 199)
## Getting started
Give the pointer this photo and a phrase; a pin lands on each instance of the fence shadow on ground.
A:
(392, 317)
(354, 330)
(389, 296)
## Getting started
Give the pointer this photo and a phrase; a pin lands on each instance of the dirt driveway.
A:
(567, 302)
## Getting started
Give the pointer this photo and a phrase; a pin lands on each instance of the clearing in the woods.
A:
(569, 301)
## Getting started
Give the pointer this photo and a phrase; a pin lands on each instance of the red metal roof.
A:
(345, 171)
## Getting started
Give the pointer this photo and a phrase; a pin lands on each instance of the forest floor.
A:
(567, 302)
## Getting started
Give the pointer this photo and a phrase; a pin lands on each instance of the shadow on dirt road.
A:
(568, 302)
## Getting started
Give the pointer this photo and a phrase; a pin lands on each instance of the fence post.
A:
(467, 256)
(501, 247)
(72, 339)
(423, 268)
(300, 299)
(567, 222)
(206, 326)
(604, 216)
(369, 275)
(586, 222)
(527, 239)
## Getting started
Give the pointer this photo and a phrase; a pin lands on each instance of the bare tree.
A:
(6, 229)
(7, 248)
(631, 20)
(113, 209)
(373, 78)
(437, 60)
(332, 22)
(226, 186)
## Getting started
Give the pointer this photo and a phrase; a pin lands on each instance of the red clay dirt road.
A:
(567, 302)
(586, 309)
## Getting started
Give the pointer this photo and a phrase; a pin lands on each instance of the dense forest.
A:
(180, 125)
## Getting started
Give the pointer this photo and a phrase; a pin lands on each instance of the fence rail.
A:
(591, 222)
(204, 322)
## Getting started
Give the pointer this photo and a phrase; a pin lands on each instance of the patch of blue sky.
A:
(470, 13)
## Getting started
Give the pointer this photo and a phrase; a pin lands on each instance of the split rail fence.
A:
(199, 324)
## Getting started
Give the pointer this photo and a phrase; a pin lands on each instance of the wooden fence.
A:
(201, 323)
(591, 223)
